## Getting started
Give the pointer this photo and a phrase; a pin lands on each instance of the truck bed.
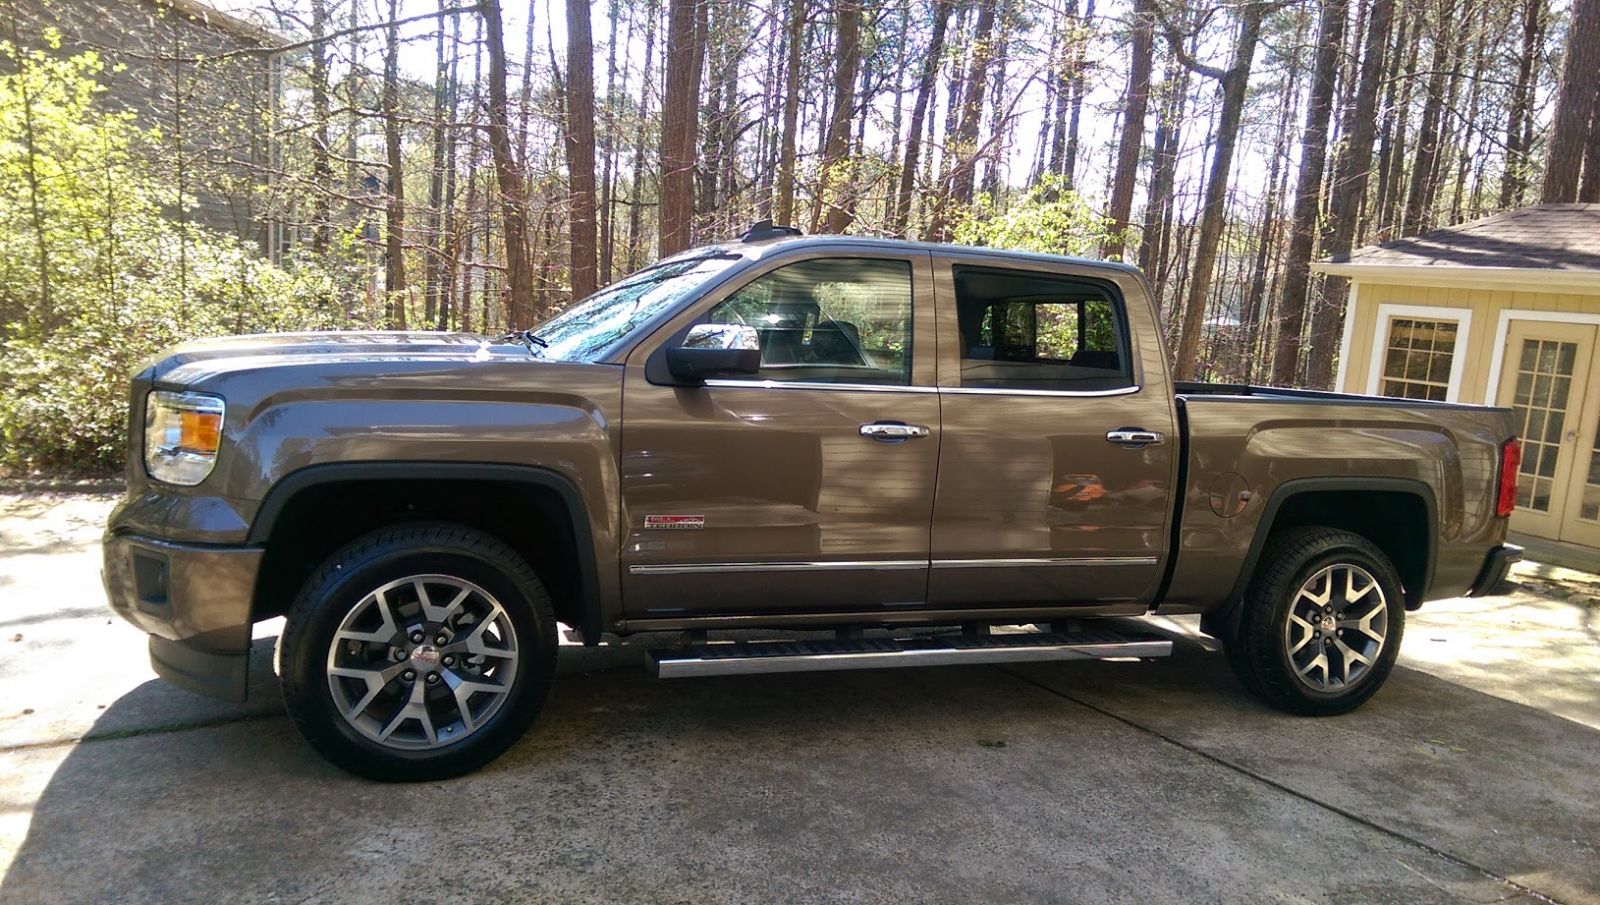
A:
(1196, 389)
(1248, 448)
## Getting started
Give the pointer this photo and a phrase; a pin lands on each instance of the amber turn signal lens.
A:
(200, 431)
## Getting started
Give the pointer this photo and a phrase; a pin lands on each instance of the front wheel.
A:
(418, 652)
(1322, 622)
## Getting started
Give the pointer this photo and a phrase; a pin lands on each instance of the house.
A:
(1505, 311)
(208, 81)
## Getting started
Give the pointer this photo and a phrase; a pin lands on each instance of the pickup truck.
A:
(855, 452)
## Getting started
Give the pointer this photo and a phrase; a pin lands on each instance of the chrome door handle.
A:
(893, 431)
(1135, 438)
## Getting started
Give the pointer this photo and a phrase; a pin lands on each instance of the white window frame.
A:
(1387, 314)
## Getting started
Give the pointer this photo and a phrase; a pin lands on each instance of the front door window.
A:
(829, 320)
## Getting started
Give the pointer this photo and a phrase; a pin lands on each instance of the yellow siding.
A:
(1478, 350)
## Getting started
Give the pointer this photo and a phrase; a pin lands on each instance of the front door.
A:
(807, 485)
(1546, 382)
(1055, 477)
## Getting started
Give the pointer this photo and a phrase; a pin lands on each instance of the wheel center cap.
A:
(1329, 623)
(424, 656)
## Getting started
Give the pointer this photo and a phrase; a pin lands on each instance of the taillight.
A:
(1510, 462)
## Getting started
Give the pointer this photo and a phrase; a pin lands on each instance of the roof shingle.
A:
(1557, 237)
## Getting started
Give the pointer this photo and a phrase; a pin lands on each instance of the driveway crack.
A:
(137, 732)
(1288, 790)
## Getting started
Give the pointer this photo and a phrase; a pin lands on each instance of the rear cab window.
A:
(1022, 329)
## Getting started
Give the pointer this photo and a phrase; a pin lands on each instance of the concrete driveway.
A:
(1473, 777)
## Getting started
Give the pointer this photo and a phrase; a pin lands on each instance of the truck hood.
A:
(298, 400)
(196, 362)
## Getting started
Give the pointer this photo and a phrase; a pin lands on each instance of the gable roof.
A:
(1548, 237)
(216, 18)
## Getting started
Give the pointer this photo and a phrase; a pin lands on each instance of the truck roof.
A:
(761, 247)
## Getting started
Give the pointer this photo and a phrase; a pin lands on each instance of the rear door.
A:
(806, 487)
(1059, 454)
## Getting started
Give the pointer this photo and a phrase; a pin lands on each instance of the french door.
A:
(1548, 382)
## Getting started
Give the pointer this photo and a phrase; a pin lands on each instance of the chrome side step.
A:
(719, 658)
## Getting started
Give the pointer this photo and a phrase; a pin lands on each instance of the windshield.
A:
(585, 331)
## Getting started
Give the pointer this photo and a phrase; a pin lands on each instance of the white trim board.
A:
(1502, 330)
(1527, 279)
(1350, 302)
(1380, 346)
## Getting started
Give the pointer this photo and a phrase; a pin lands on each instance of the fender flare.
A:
(1226, 615)
(292, 484)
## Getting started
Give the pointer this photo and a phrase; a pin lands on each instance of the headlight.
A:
(181, 435)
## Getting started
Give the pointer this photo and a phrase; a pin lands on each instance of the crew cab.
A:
(893, 448)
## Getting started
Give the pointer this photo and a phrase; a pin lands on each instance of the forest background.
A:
(477, 166)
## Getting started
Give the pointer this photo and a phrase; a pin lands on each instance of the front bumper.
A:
(1495, 567)
(195, 602)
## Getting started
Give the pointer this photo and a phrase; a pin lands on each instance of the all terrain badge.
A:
(675, 522)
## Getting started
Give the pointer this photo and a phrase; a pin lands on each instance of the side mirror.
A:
(712, 349)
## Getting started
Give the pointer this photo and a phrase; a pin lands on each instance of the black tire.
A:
(1260, 649)
(347, 578)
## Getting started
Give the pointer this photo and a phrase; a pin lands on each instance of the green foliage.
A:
(95, 278)
(1047, 218)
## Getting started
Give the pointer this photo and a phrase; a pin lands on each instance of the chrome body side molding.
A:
(878, 565)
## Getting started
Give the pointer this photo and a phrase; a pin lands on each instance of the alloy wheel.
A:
(1337, 626)
(422, 662)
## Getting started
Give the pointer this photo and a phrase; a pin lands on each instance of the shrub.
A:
(95, 279)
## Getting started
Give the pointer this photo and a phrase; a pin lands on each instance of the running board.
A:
(731, 657)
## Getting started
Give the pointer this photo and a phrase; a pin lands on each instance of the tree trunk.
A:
(1470, 131)
(1061, 79)
(433, 263)
(1391, 177)
(1069, 167)
(520, 311)
(1132, 138)
(1233, 83)
(1307, 193)
(1164, 162)
(636, 193)
(1589, 188)
(966, 144)
(1350, 177)
(449, 239)
(847, 60)
(1251, 311)
(1514, 182)
(321, 158)
(791, 112)
(919, 111)
(580, 148)
(1575, 103)
(994, 161)
(679, 126)
(395, 226)
(608, 196)
(897, 121)
(1427, 150)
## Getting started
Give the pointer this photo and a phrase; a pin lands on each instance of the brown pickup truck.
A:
(888, 447)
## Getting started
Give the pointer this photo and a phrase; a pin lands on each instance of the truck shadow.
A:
(235, 806)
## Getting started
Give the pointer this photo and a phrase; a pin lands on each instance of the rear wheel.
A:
(1321, 624)
(418, 652)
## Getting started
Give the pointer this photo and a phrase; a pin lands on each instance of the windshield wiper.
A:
(527, 338)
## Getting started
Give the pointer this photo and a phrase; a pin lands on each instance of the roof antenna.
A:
(764, 229)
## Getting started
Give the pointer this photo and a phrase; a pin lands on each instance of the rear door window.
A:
(1027, 330)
